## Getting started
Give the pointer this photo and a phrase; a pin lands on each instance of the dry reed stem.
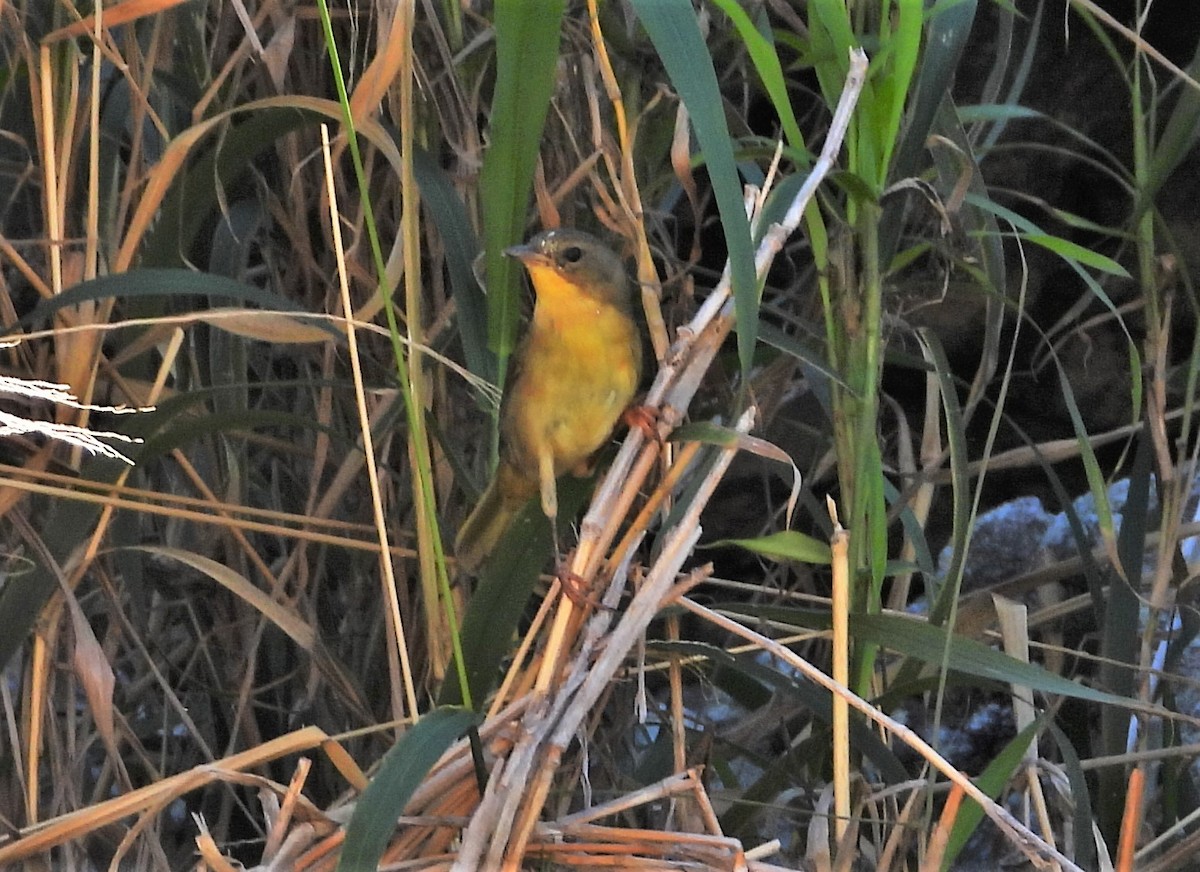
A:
(941, 833)
(41, 837)
(574, 840)
(397, 653)
(1131, 821)
(895, 843)
(286, 809)
(840, 722)
(221, 513)
(627, 188)
(501, 827)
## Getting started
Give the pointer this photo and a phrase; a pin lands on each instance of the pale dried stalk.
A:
(398, 665)
(840, 722)
(73, 826)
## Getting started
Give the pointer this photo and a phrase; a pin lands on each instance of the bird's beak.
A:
(528, 255)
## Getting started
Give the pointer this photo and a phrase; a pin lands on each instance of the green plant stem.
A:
(867, 483)
(430, 540)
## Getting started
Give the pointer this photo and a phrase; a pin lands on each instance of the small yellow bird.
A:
(572, 376)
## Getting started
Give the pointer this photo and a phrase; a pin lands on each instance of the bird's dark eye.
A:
(572, 254)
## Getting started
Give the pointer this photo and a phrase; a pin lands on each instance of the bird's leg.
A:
(573, 587)
(549, 497)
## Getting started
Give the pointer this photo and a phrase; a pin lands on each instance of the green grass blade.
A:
(831, 40)
(184, 285)
(942, 604)
(502, 594)
(770, 72)
(1178, 138)
(676, 35)
(1091, 465)
(195, 192)
(1085, 846)
(527, 37)
(901, 48)
(1068, 250)
(1120, 637)
(784, 545)
(65, 526)
(946, 36)
(991, 781)
(401, 772)
(921, 640)
(461, 248)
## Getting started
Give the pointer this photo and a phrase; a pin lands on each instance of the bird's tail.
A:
(488, 521)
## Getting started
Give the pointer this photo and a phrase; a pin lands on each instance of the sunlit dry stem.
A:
(627, 189)
(676, 783)
(839, 545)
(1131, 820)
(397, 656)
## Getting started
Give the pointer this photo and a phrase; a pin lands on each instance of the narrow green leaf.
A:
(1073, 251)
(706, 432)
(502, 593)
(400, 773)
(1019, 78)
(1091, 465)
(1178, 138)
(165, 284)
(992, 782)
(807, 354)
(770, 71)
(903, 45)
(1085, 849)
(194, 194)
(996, 112)
(831, 39)
(784, 545)
(527, 37)
(913, 637)
(1121, 633)
(915, 531)
(64, 528)
(947, 30)
(672, 27)
(960, 487)
(461, 248)
(1029, 230)
(174, 430)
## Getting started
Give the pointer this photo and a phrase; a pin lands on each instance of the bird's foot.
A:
(644, 418)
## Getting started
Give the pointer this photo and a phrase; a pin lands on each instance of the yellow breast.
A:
(579, 369)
